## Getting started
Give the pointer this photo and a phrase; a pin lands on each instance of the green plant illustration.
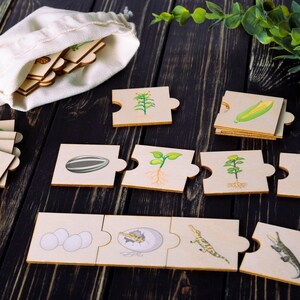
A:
(158, 176)
(265, 21)
(233, 163)
(144, 102)
(77, 46)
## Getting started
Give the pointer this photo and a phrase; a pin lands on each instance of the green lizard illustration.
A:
(286, 254)
(205, 245)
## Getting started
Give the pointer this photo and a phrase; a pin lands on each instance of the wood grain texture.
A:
(198, 65)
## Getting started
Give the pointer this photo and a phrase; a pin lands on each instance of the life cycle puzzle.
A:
(289, 186)
(9, 154)
(143, 106)
(278, 255)
(87, 165)
(159, 168)
(111, 240)
(251, 115)
(235, 172)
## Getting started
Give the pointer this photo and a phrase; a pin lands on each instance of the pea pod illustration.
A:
(254, 111)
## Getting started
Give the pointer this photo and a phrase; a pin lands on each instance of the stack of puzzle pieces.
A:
(9, 155)
(46, 68)
(252, 116)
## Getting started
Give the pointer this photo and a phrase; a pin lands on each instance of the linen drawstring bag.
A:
(49, 30)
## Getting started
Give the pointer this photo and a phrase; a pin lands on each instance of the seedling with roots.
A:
(144, 102)
(158, 176)
(233, 162)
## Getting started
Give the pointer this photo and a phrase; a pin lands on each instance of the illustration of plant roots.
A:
(158, 177)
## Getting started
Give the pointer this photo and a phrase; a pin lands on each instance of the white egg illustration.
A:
(72, 243)
(86, 238)
(61, 234)
(49, 241)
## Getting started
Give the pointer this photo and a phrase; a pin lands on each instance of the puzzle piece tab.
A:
(87, 165)
(67, 239)
(137, 241)
(206, 244)
(159, 168)
(143, 106)
(289, 186)
(235, 172)
(278, 256)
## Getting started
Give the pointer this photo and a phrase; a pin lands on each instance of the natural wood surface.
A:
(199, 66)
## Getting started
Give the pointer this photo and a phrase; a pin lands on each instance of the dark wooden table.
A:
(198, 65)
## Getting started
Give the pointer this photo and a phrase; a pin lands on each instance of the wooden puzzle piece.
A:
(136, 241)
(58, 66)
(278, 256)
(28, 86)
(86, 60)
(87, 165)
(143, 106)
(66, 239)
(7, 125)
(159, 168)
(206, 244)
(289, 186)
(285, 118)
(5, 161)
(17, 137)
(79, 51)
(249, 113)
(235, 172)
(43, 66)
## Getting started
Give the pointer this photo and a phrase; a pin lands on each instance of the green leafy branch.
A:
(265, 21)
(144, 102)
(233, 162)
(160, 158)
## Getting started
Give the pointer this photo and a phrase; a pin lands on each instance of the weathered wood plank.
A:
(198, 65)
(85, 118)
(4, 11)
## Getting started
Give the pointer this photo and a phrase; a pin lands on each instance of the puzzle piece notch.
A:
(235, 172)
(206, 244)
(278, 255)
(87, 165)
(289, 186)
(143, 106)
(158, 169)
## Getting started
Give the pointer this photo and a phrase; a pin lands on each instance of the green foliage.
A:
(160, 158)
(267, 22)
(233, 162)
(144, 102)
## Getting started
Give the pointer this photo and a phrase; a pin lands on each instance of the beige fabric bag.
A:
(49, 30)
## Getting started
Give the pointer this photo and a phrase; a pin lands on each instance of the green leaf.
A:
(276, 15)
(173, 155)
(286, 57)
(210, 16)
(240, 158)
(232, 157)
(181, 14)
(294, 69)
(295, 7)
(233, 21)
(156, 161)
(157, 154)
(199, 15)
(284, 29)
(236, 8)
(249, 22)
(264, 38)
(295, 36)
(294, 20)
(275, 32)
(231, 170)
(167, 17)
(157, 18)
(214, 8)
(297, 48)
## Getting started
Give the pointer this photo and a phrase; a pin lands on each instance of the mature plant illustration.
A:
(267, 22)
(254, 111)
(233, 162)
(205, 246)
(158, 176)
(144, 102)
(286, 255)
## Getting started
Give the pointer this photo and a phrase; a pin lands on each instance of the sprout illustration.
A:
(144, 102)
(233, 162)
(158, 176)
